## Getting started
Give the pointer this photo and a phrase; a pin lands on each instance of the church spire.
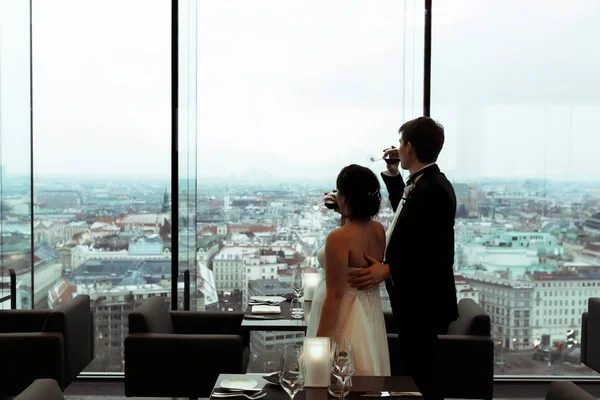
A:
(165, 204)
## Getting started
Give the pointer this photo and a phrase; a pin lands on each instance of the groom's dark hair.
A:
(426, 136)
(361, 188)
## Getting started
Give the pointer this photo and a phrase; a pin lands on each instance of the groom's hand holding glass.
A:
(376, 272)
(392, 152)
(373, 275)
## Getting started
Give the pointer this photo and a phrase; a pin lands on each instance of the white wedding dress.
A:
(361, 319)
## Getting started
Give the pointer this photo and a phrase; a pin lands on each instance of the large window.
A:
(102, 167)
(514, 84)
(288, 94)
(15, 145)
(274, 98)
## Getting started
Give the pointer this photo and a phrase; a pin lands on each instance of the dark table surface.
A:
(360, 384)
(277, 322)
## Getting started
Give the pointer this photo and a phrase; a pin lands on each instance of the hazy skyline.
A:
(296, 91)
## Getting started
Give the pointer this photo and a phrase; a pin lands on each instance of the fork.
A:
(254, 396)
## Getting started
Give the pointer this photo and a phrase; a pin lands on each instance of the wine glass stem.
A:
(342, 388)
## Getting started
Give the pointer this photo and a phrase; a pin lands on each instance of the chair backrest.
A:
(152, 316)
(207, 322)
(22, 321)
(591, 335)
(73, 321)
(472, 320)
(565, 390)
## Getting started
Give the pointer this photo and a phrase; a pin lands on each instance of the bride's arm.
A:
(336, 271)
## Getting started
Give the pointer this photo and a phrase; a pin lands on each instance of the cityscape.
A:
(528, 251)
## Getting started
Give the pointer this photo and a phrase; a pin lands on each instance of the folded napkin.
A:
(267, 299)
(266, 310)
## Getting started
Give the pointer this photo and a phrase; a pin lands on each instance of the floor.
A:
(113, 390)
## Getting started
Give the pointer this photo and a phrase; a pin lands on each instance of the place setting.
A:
(328, 366)
(239, 386)
(265, 307)
(318, 368)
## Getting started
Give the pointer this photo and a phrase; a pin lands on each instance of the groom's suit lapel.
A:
(413, 196)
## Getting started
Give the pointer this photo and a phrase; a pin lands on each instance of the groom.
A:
(419, 257)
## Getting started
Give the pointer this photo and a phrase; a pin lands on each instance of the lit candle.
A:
(317, 362)
(311, 281)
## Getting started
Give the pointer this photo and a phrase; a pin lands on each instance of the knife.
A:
(392, 394)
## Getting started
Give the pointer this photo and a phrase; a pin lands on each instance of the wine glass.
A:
(330, 201)
(316, 205)
(335, 387)
(343, 363)
(292, 372)
(296, 309)
(372, 160)
(297, 282)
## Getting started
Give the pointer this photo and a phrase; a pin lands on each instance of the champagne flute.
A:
(292, 372)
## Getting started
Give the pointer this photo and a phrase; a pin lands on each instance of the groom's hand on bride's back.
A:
(366, 278)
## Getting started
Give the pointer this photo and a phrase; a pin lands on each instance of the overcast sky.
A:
(298, 90)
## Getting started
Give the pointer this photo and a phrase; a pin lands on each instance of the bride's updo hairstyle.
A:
(361, 190)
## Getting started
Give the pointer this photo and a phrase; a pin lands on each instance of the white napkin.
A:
(266, 310)
(268, 299)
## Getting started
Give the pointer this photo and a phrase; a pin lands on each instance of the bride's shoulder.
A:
(377, 226)
(337, 236)
(338, 232)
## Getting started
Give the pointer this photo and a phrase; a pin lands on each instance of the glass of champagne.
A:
(292, 372)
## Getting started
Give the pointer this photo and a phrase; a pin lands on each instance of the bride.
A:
(337, 309)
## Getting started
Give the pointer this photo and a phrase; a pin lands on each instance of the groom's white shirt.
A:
(390, 229)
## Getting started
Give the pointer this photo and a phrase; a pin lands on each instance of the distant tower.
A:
(226, 205)
(226, 202)
(165, 204)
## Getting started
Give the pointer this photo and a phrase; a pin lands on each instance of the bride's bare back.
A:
(364, 238)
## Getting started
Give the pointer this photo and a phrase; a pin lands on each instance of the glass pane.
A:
(15, 146)
(187, 156)
(288, 94)
(513, 83)
(102, 123)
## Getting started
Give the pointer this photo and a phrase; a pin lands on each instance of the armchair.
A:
(180, 353)
(54, 344)
(466, 353)
(590, 335)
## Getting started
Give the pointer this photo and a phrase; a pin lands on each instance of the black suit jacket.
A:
(421, 252)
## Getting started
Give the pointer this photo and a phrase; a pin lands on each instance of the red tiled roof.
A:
(595, 247)
(61, 293)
